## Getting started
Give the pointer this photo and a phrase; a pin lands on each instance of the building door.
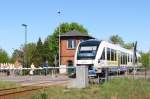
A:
(70, 64)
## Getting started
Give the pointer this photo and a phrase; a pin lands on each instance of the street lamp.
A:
(149, 58)
(25, 46)
(59, 40)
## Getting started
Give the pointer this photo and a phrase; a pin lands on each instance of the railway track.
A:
(27, 89)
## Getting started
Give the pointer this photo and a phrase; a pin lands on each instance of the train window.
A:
(112, 55)
(121, 58)
(108, 53)
(124, 58)
(103, 55)
(128, 58)
(131, 58)
(115, 53)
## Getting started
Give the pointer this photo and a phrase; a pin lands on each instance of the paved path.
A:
(29, 80)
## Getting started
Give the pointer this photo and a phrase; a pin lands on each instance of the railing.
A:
(34, 71)
(130, 72)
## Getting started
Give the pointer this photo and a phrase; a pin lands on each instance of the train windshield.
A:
(87, 50)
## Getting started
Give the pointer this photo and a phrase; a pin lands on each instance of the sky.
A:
(129, 19)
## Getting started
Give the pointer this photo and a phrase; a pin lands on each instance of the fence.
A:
(127, 72)
(132, 72)
(35, 71)
(110, 73)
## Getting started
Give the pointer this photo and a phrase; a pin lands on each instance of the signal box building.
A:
(68, 43)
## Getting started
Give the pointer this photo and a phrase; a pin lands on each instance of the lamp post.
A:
(149, 58)
(25, 46)
(59, 40)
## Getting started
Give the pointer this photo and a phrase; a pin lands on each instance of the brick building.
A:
(68, 43)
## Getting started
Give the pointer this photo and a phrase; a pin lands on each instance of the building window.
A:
(71, 43)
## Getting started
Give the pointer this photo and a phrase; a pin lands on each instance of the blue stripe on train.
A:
(92, 72)
(120, 68)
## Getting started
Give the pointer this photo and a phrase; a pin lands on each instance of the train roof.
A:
(108, 44)
(90, 42)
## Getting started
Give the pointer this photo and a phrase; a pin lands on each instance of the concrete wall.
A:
(81, 80)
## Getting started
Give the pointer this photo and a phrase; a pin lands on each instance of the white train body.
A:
(100, 54)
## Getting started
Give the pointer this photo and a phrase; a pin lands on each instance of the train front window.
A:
(87, 50)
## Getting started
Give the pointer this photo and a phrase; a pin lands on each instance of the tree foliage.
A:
(4, 58)
(37, 54)
(145, 59)
(31, 47)
(128, 45)
(17, 54)
(115, 39)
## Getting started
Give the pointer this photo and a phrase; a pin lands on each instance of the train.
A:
(100, 54)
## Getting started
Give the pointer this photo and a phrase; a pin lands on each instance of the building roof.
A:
(75, 33)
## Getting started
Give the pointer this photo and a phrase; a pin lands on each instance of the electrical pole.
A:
(59, 40)
(25, 46)
(149, 58)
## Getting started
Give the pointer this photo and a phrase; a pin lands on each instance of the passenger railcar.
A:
(101, 54)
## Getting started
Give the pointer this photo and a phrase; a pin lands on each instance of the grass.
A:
(8, 84)
(114, 89)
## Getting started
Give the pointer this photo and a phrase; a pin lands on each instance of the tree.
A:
(37, 54)
(115, 39)
(4, 58)
(128, 45)
(64, 27)
(17, 55)
(31, 47)
(47, 54)
(145, 59)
